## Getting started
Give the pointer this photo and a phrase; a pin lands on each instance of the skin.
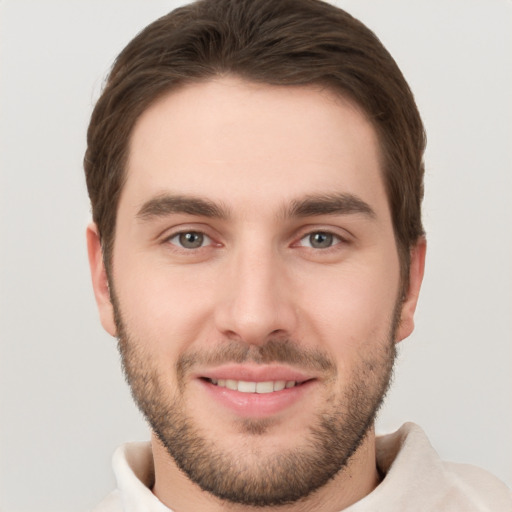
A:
(255, 151)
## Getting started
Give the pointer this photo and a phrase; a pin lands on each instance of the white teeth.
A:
(264, 387)
(246, 387)
(232, 384)
(254, 387)
(280, 384)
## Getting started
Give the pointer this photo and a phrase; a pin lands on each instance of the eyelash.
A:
(179, 244)
(334, 239)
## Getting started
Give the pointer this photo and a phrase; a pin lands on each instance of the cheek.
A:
(164, 308)
(350, 310)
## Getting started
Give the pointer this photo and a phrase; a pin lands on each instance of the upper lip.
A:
(254, 373)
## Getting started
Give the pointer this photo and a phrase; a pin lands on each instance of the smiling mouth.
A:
(255, 387)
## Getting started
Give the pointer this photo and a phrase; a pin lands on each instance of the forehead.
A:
(246, 144)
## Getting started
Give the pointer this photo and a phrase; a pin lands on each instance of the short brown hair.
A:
(277, 42)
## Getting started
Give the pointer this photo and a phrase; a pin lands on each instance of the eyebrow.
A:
(330, 204)
(309, 206)
(166, 204)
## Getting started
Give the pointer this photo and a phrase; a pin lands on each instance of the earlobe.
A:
(99, 279)
(416, 271)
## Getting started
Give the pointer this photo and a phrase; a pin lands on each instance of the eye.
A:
(320, 240)
(190, 240)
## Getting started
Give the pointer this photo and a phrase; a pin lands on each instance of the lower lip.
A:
(257, 405)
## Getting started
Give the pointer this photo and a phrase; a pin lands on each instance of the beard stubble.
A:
(252, 478)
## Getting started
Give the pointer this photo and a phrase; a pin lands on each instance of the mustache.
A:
(273, 351)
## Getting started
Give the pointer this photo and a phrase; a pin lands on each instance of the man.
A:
(255, 173)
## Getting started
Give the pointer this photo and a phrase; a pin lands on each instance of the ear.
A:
(99, 279)
(416, 271)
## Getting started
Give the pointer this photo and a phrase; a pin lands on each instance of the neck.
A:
(359, 478)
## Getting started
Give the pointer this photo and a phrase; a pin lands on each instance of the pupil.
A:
(321, 240)
(191, 240)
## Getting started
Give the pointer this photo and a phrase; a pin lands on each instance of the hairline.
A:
(337, 93)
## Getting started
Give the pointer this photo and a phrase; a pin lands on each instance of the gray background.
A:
(64, 406)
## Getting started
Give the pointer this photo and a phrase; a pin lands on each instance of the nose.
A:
(256, 299)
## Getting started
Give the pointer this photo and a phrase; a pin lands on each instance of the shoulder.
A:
(417, 479)
(479, 486)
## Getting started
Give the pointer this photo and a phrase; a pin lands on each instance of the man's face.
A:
(255, 279)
